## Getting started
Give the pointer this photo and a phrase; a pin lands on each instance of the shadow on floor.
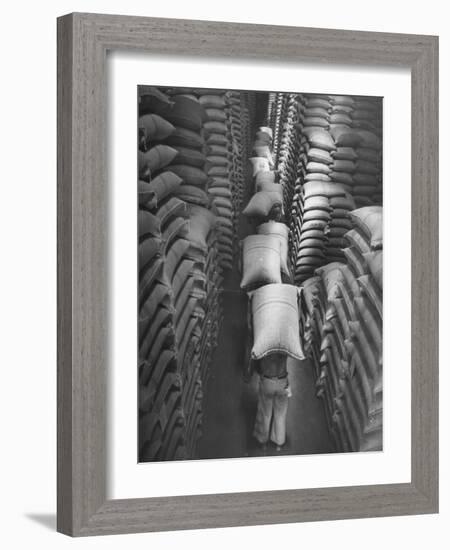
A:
(46, 520)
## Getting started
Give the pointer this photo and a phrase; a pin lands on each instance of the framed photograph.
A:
(247, 274)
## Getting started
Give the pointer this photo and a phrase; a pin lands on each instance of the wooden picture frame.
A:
(83, 41)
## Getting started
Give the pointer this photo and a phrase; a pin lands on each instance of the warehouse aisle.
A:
(230, 403)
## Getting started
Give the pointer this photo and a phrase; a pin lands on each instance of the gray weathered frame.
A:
(83, 40)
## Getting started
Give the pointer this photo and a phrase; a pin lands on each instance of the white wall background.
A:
(28, 274)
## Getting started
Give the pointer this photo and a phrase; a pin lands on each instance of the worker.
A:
(273, 395)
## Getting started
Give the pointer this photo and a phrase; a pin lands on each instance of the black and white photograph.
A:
(260, 254)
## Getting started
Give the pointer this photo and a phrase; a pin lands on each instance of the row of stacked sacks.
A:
(288, 150)
(319, 220)
(353, 126)
(343, 336)
(179, 273)
(224, 146)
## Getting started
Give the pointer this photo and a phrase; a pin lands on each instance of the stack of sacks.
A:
(219, 163)
(344, 335)
(179, 283)
(288, 151)
(277, 118)
(367, 114)
(362, 174)
(271, 109)
(203, 251)
(354, 124)
(162, 225)
(368, 176)
(319, 220)
(239, 112)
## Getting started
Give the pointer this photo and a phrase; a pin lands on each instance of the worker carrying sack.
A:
(275, 318)
(261, 261)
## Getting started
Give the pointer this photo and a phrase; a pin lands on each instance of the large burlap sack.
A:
(367, 167)
(342, 100)
(186, 138)
(218, 115)
(155, 128)
(261, 261)
(340, 118)
(316, 122)
(192, 195)
(345, 137)
(316, 176)
(218, 151)
(342, 177)
(319, 155)
(316, 112)
(313, 203)
(148, 250)
(318, 168)
(186, 112)
(217, 139)
(152, 100)
(172, 208)
(316, 215)
(217, 171)
(155, 158)
(201, 222)
(281, 231)
(375, 262)
(259, 164)
(343, 166)
(365, 179)
(369, 220)
(275, 320)
(148, 224)
(314, 224)
(189, 156)
(210, 101)
(190, 174)
(165, 184)
(147, 195)
(223, 202)
(220, 192)
(347, 202)
(313, 102)
(321, 139)
(262, 203)
(216, 127)
(322, 188)
(345, 153)
(369, 140)
(368, 154)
